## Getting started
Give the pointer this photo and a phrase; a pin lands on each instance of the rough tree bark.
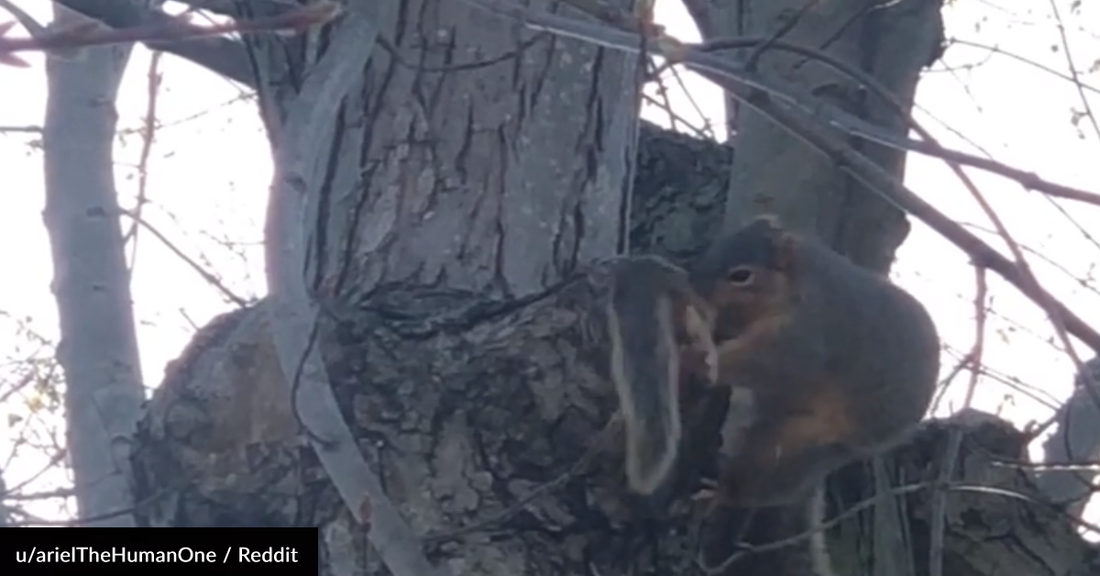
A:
(463, 217)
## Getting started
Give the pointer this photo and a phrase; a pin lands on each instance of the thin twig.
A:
(209, 277)
(784, 28)
(1073, 69)
(849, 513)
(695, 130)
(980, 315)
(148, 136)
(1023, 60)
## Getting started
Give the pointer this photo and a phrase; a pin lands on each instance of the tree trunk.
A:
(890, 42)
(463, 219)
(98, 349)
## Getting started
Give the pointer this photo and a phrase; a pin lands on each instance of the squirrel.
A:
(839, 364)
(842, 364)
(660, 333)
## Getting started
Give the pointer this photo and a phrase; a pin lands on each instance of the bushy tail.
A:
(645, 367)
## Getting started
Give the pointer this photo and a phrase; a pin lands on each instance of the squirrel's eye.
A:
(740, 276)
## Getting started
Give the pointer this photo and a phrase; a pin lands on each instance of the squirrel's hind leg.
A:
(779, 463)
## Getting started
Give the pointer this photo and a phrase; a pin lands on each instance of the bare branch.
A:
(133, 23)
(171, 31)
(1023, 60)
(223, 56)
(1073, 69)
(148, 136)
(209, 277)
(36, 30)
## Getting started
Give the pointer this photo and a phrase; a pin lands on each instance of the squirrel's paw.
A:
(705, 493)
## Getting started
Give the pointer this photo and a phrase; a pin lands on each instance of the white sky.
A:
(209, 173)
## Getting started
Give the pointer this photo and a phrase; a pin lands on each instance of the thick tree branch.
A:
(294, 314)
(220, 55)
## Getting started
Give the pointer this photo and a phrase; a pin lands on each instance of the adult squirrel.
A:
(660, 334)
(842, 364)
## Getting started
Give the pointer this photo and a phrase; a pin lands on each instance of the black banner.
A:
(214, 551)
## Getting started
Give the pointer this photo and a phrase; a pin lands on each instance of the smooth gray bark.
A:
(98, 349)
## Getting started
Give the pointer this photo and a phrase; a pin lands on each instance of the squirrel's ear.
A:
(785, 250)
(781, 239)
(769, 220)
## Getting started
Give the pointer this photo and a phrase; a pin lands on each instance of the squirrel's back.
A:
(877, 336)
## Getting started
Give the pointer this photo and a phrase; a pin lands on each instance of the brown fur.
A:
(840, 364)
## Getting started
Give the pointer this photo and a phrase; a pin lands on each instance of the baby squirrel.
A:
(842, 363)
(660, 334)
